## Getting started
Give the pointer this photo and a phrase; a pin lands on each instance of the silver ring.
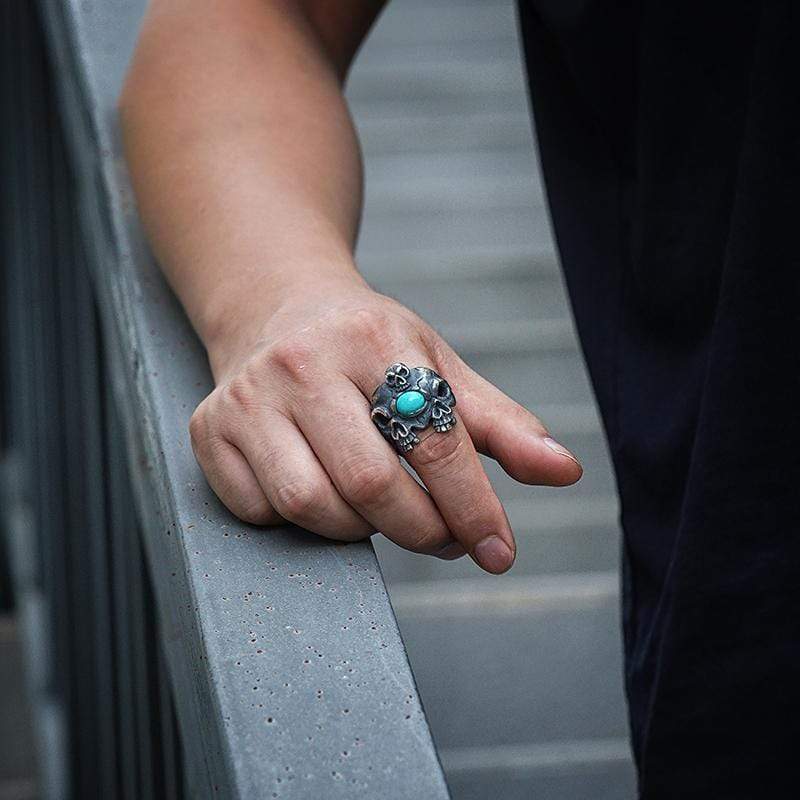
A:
(410, 399)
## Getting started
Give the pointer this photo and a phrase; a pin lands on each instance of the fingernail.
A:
(450, 552)
(560, 449)
(493, 554)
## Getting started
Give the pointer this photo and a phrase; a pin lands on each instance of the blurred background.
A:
(521, 676)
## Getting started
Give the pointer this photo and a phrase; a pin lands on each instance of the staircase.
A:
(521, 675)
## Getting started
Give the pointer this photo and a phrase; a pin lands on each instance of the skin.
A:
(248, 176)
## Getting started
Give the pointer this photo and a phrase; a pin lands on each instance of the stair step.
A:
(416, 79)
(511, 595)
(467, 193)
(435, 266)
(501, 131)
(511, 336)
(456, 181)
(534, 378)
(539, 513)
(572, 419)
(540, 510)
(432, 104)
(594, 769)
(538, 552)
(458, 229)
(391, 169)
(550, 755)
(424, 50)
(420, 21)
(514, 309)
(535, 660)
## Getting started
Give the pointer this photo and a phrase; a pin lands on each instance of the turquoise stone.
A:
(410, 403)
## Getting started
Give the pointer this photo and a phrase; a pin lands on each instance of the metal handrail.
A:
(281, 654)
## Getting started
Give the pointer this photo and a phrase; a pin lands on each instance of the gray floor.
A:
(520, 675)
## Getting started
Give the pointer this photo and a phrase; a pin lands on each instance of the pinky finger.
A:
(234, 482)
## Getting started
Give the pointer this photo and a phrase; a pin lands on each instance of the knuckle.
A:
(198, 426)
(299, 500)
(366, 323)
(430, 543)
(522, 417)
(292, 357)
(257, 511)
(352, 533)
(438, 451)
(204, 435)
(366, 482)
(238, 394)
(452, 551)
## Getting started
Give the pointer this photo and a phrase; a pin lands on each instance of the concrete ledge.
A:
(288, 672)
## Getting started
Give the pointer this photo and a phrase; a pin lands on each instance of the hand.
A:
(287, 435)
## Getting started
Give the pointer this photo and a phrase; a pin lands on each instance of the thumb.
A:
(506, 431)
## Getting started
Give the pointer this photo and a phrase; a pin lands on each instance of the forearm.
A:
(248, 177)
(243, 158)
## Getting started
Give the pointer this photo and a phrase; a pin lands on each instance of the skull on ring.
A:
(411, 399)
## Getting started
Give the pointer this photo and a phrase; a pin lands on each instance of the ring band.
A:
(410, 399)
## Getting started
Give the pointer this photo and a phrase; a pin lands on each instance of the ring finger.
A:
(337, 425)
(448, 465)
